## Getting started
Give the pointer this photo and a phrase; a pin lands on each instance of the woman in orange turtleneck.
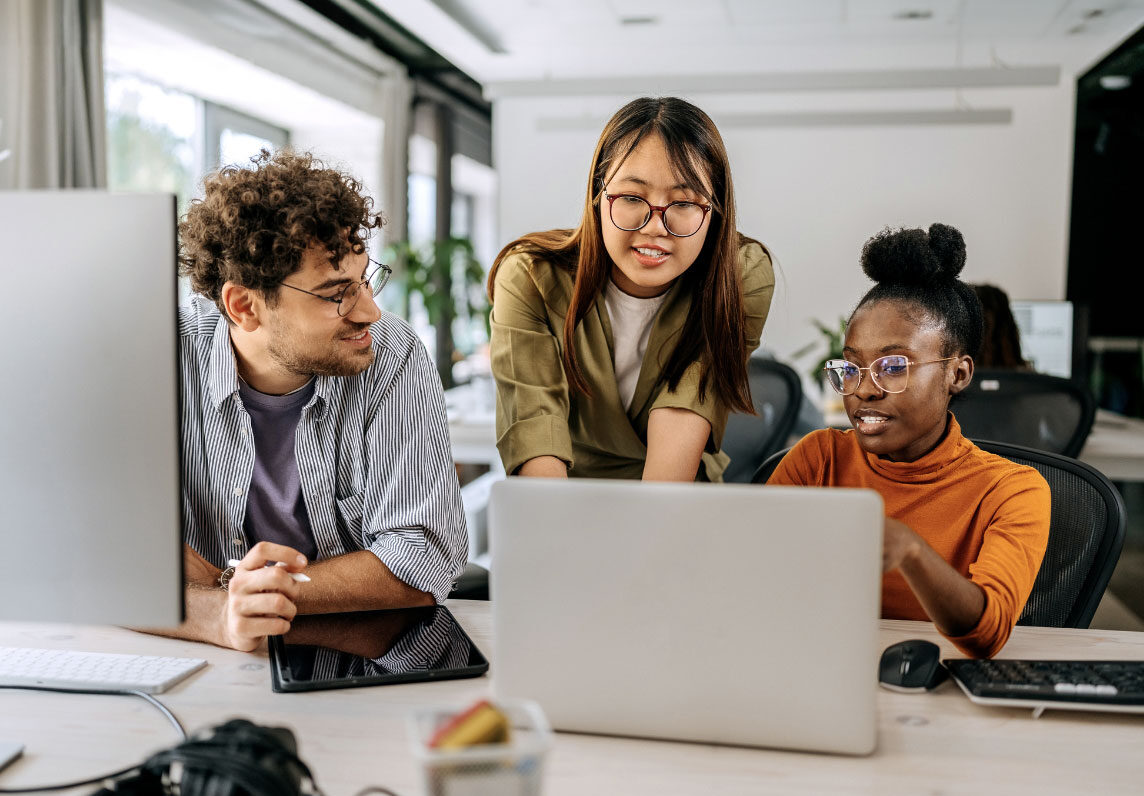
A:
(965, 530)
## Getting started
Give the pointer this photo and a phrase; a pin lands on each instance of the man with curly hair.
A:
(313, 424)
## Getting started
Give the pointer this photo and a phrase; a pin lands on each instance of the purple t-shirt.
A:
(275, 510)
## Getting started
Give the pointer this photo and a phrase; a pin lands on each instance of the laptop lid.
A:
(722, 613)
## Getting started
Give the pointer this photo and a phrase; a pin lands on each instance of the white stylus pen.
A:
(299, 577)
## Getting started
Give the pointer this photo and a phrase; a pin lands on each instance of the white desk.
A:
(471, 409)
(937, 742)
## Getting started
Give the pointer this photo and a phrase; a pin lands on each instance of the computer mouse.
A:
(912, 666)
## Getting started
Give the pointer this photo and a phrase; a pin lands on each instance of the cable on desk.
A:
(213, 759)
(103, 777)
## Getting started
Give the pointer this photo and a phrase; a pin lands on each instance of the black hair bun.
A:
(914, 256)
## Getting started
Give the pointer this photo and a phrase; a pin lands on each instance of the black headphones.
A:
(237, 758)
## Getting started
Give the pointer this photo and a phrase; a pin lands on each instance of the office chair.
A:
(1034, 410)
(472, 584)
(1086, 534)
(776, 392)
(768, 466)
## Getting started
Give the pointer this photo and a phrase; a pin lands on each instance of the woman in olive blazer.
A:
(619, 347)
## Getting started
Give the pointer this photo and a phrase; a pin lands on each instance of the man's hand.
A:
(898, 544)
(263, 601)
(260, 598)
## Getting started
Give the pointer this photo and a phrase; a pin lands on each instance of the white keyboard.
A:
(92, 671)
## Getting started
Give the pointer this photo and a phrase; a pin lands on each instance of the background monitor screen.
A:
(1046, 335)
(89, 436)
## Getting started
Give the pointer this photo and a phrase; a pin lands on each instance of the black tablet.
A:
(403, 645)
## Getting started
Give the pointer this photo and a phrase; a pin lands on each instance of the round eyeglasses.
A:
(347, 298)
(890, 374)
(630, 213)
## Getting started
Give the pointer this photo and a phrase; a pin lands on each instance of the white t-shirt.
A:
(631, 320)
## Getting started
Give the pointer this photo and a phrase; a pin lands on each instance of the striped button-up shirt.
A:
(372, 451)
(436, 642)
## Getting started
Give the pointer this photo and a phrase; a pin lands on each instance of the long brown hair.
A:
(714, 329)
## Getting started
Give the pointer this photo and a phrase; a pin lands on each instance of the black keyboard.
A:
(1095, 683)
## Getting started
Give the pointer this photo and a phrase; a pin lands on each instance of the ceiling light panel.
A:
(670, 12)
(943, 11)
(784, 12)
(1115, 16)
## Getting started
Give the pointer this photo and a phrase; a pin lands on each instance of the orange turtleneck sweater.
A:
(985, 515)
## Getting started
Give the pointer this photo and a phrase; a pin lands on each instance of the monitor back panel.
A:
(89, 450)
(721, 613)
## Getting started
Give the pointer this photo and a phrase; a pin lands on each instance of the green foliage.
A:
(833, 337)
(146, 157)
(436, 271)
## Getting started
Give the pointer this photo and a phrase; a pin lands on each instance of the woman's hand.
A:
(952, 601)
(899, 543)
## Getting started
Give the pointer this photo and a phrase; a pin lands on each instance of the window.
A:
(160, 139)
(234, 138)
(472, 216)
(153, 138)
(163, 140)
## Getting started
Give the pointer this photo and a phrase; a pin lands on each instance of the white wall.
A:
(814, 194)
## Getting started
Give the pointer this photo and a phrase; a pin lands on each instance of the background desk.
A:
(471, 410)
(937, 742)
(1116, 446)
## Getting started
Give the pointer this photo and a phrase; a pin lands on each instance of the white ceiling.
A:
(528, 40)
(239, 63)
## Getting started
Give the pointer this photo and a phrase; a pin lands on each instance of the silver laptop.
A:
(728, 614)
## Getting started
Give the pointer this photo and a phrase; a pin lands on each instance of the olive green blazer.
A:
(595, 436)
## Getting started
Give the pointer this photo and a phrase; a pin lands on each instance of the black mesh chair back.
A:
(1086, 535)
(749, 439)
(1029, 409)
(768, 466)
(472, 583)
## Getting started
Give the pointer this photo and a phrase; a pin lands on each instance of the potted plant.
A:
(833, 337)
(448, 277)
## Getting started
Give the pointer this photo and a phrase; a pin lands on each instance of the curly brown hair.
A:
(253, 225)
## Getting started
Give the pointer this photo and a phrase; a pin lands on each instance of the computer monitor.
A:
(90, 508)
(1046, 329)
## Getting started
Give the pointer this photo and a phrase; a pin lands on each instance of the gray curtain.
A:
(396, 105)
(52, 119)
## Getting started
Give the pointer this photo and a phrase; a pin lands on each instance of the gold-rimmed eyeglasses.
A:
(347, 298)
(890, 373)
